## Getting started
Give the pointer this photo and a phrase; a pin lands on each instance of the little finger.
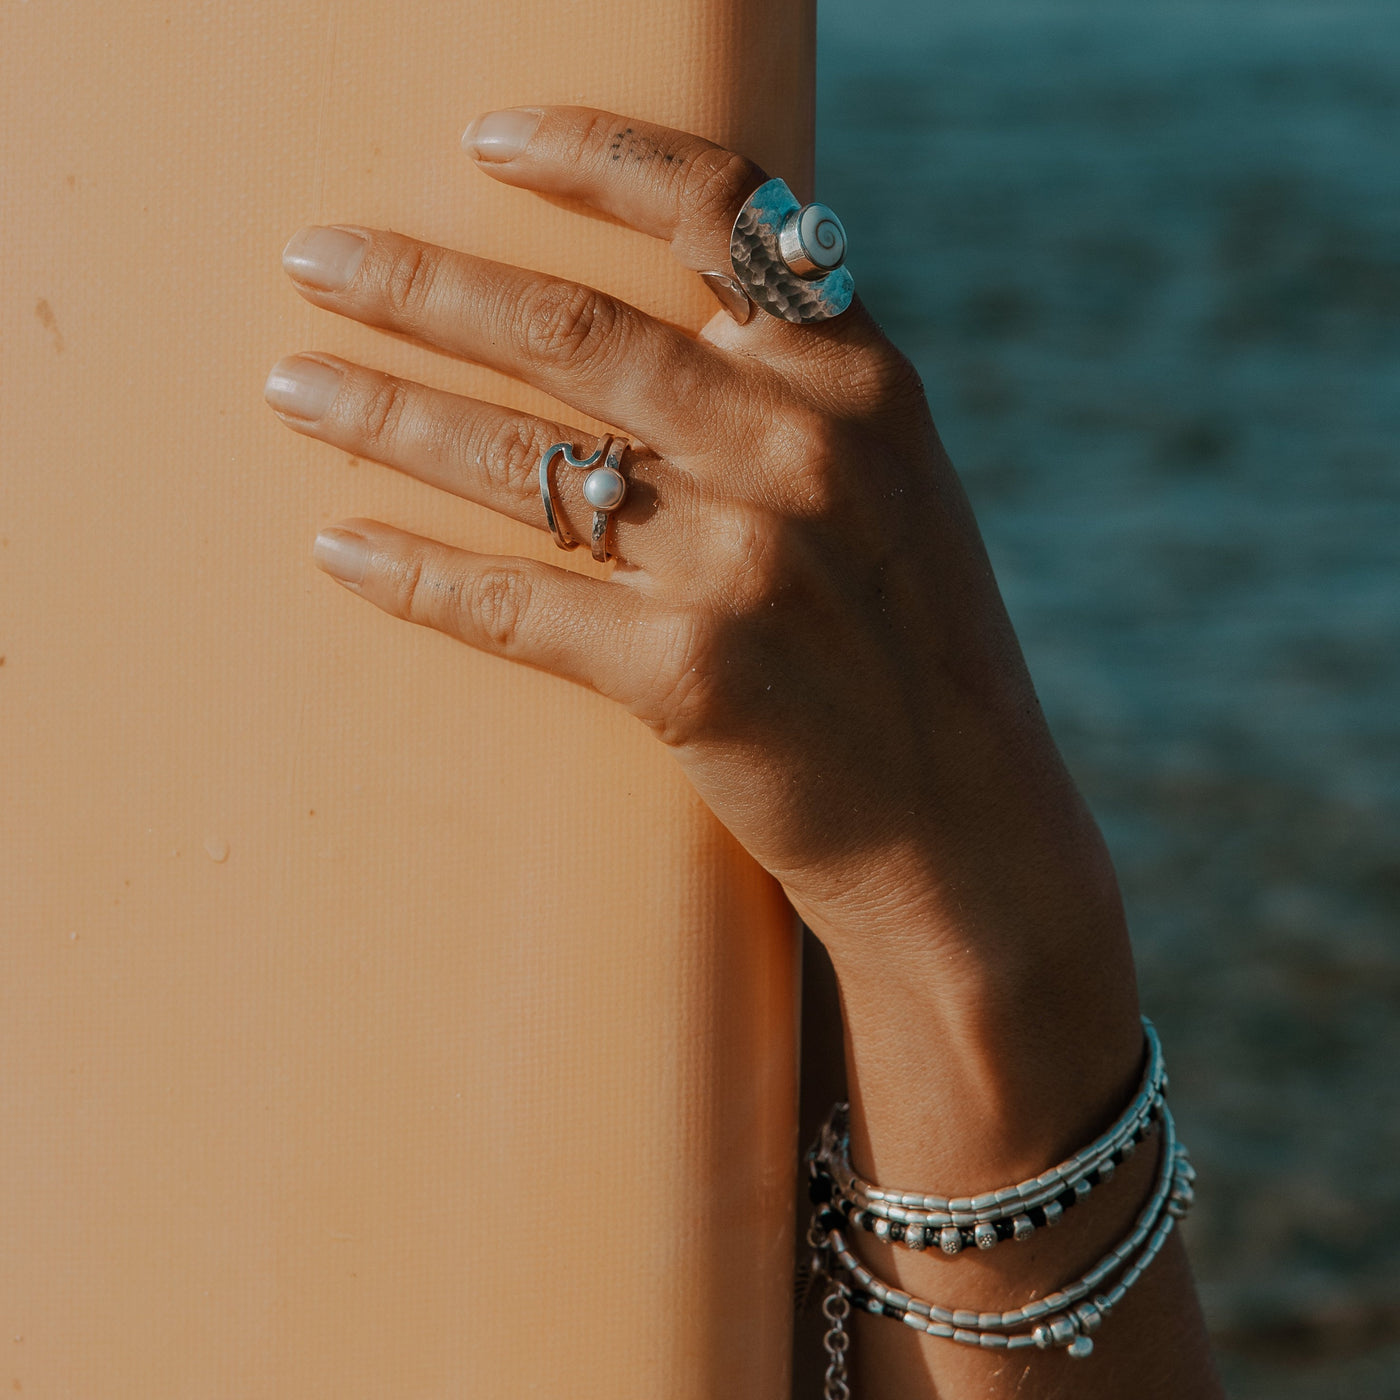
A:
(602, 634)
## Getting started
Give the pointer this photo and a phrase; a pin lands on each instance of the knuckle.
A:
(507, 457)
(714, 183)
(679, 702)
(494, 605)
(565, 324)
(885, 377)
(594, 138)
(409, 279)
(815, 445)
(382, 412)
(746, 547)
(410, 583)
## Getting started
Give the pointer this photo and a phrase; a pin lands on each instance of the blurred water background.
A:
(1146, 255)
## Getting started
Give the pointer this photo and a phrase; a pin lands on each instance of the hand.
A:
(803, 610)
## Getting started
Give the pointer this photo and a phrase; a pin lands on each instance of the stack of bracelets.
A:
(1064, 1318)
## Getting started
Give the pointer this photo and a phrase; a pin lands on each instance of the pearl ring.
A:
(604, 488)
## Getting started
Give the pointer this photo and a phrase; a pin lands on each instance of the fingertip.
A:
(343, 554)
(496, 137)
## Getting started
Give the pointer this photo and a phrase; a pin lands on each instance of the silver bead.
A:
(882, 1229)
(1061, 1330)
(1053, 1212)
(604, 488)
(1023, 1226)
(914, 1236)
(1081, 1346)
(1089, 1317)
(1081, 1189)
(986, 1235)
(950, 1239)
(1041, 1336)
(1106, 1170)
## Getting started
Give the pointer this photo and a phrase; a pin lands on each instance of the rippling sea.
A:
(1146, 255)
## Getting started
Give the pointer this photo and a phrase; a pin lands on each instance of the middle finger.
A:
(587, 349)
(479, 451)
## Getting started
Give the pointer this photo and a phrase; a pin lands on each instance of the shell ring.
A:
(604, 488)
(787, 258)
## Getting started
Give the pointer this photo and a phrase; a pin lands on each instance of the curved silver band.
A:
(553, 517)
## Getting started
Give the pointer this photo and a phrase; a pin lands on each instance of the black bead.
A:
(1067, 1199)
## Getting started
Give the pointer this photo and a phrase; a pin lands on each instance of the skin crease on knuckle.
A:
(409, 281)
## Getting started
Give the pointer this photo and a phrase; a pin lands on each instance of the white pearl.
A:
(604, 488)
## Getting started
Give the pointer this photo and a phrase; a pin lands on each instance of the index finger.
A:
(670, 184)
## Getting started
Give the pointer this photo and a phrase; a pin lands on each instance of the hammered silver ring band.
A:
(787, 258)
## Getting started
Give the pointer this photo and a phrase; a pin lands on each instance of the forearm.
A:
(968, 1071)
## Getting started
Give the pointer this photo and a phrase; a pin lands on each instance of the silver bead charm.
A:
(1023, 1227)
(1080, 1347)
(914, 1236)
(950, 1239)
(986, 1235)
(1089, 1317)
(1054, 1212)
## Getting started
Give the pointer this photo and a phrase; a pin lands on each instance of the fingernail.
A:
(325, 257)
(499, 136)
(343, 555)
(303, 388)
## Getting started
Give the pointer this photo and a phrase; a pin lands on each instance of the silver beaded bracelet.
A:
(1014, 1212)
(1064, 1318)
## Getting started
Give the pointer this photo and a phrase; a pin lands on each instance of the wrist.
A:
(991, 1029)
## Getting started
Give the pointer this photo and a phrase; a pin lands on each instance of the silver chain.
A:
(836, 1307)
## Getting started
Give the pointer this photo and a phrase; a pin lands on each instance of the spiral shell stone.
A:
(787, 257)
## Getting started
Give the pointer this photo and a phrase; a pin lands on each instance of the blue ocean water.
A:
(1146, 256)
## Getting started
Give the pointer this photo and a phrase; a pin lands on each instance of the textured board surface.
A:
(378, 1019)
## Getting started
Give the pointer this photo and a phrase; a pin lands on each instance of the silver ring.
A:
(553, 517)
(788, 258)
(605, 488)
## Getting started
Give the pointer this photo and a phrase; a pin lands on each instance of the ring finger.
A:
(479, 451)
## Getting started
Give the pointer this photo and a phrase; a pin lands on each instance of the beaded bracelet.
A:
(1064, 1318)
(1014, 1212)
